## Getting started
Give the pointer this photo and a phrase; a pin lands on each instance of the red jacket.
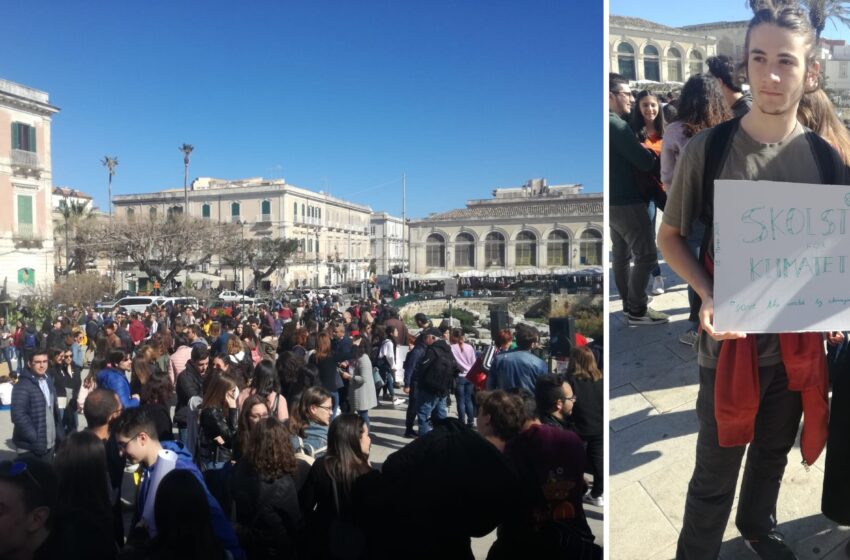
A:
(137, 331)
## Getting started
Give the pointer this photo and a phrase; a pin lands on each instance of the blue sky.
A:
(343, 96)
(676, 14)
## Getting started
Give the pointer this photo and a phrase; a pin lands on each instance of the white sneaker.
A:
(397, 402)
(657, 285)
(598, 502)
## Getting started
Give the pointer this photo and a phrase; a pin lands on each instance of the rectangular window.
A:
(23, 137)
(25, 215)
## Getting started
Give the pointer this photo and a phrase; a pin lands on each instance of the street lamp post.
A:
(242, 260)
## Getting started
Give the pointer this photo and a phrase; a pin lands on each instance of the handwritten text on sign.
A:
(782, 257)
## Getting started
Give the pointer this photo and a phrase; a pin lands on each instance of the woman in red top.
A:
(648, 124)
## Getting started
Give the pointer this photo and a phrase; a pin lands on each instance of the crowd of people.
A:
(262, 418)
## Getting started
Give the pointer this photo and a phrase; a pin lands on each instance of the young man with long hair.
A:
(749, 402)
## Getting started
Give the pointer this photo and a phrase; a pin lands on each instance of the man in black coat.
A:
(434, 379)
(190, 383)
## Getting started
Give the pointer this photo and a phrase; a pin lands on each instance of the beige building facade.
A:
(388, 242)
(642, 50)
(333, 233)
(26, 225)
(535, 227)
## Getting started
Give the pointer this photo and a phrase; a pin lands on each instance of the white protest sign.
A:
(782, 257)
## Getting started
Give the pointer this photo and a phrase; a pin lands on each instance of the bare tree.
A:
(263, 256)
(162, 248)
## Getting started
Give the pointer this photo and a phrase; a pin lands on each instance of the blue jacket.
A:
(29, 414)
(315, 440)
(412, 361)
(116, 380)
(221, 526)
(519, 368)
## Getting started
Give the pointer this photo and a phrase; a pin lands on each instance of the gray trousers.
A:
(712, 487)
(632, 239)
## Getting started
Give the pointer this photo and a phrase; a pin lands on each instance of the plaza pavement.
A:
(653, 428)
(387, 437)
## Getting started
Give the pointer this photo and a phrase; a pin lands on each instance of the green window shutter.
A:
(24, 209)
(31, 130)
(16, 137)
(206, 211)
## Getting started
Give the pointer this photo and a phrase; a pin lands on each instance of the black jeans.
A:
(712, 487)
(595, 462)
(410, 415)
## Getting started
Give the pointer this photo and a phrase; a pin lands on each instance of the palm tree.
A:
(110, 163)
(821, 11)
(186, 149)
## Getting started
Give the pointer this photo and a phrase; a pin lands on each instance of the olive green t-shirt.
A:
(790, 160)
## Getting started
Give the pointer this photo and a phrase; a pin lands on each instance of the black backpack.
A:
(438, 370)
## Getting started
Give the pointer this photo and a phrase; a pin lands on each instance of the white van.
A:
(184, 301)
(138, 303)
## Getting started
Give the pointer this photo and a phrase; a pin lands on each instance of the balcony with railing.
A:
(265, 218)
(25, 231)
(26, 161)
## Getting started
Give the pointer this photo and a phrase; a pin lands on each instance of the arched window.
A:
(131, 214)
(303, 212)
(320, 214)
(206, 210)
(464, 250)
(695, 63)
(650, 64)
(435, 251)
(494, 249)
(266, 211)
(526, 249)
(295, 212)
(558, 249)
(674, 65)
(152, 212)
(590, 248)
(626, 61)
(234, 211)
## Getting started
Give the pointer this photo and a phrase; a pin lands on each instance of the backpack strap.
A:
(716, 152)
(824, 157)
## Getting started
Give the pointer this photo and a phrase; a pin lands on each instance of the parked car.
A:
(233, 295)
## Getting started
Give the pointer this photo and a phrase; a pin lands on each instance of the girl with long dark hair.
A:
(701, 106)
(648, 124)
(218, 423)
(586, 380)
(324, 360)
(362, 396)
(155, 398)
(266, 384)
(85, 509)
(333, 491)
(251, 412)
